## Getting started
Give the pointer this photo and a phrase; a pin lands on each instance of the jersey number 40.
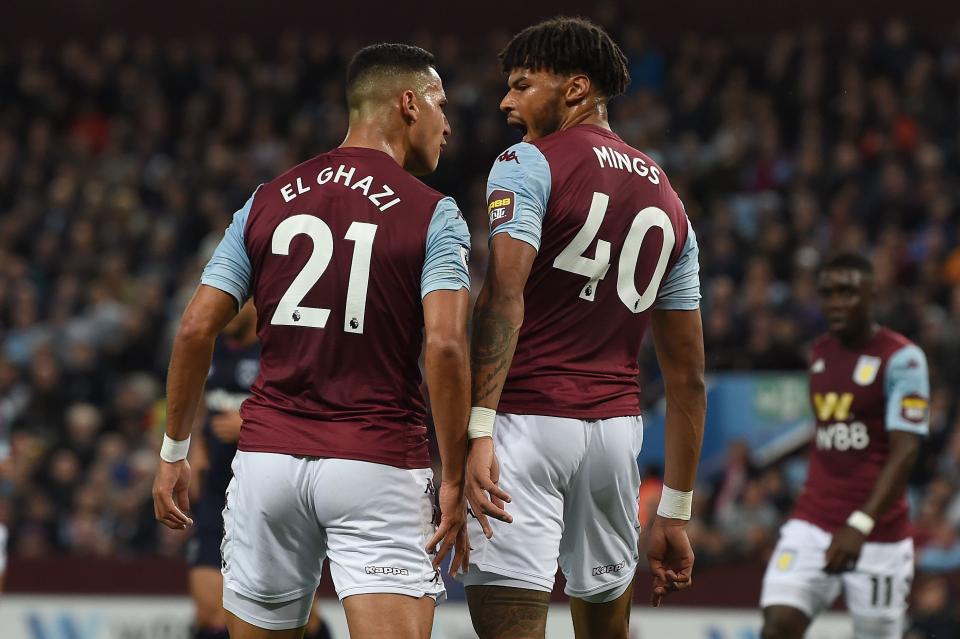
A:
(289, 311)
(572, 259)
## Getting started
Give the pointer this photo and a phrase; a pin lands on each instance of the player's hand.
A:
(844, 550)
(452, 530)
(484, 495)
(226, 426)
(670, 557)
(171, 498)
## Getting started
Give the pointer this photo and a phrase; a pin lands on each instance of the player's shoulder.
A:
(900, 352)
(522, 157)
(291, 173)
(587, 150)
(591, 138)
(520, 169)
(272, 191)
(413, 189)
(822, 343)
(892, 341)
(574, 143)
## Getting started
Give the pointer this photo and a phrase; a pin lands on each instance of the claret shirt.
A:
(337, 254)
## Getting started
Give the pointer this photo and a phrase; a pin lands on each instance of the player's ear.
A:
(577, 88)
(409, 106)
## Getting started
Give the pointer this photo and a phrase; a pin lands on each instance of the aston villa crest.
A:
(866, 371)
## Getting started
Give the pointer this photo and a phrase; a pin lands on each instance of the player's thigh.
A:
(878, 590)
(389, 616)
(506, 612)
(206, 590)
(598, 552)
(538, 458)
(794, 577)
(240, 629)
(378, 520)
(273, 546)
(603, 619)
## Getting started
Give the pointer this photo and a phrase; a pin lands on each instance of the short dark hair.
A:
(853, 261)
(387, 58)
(570, 45)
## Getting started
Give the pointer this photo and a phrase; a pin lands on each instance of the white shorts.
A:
(876, 590)
(574, 486)
(286, 514)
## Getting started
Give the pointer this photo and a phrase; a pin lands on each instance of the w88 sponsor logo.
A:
(843, 437)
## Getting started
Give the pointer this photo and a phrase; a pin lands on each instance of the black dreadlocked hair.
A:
(569, 45)
(853, 261)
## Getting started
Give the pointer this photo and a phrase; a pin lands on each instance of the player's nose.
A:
(506, 104)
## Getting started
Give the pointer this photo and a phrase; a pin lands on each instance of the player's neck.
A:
(859, 338)
(588, 113)
(367, 135)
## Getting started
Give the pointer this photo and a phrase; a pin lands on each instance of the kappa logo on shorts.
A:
(386, 570)
(602, 570)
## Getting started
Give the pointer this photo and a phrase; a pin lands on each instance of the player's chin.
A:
(838, 325)
(423, 164)
(519, 125)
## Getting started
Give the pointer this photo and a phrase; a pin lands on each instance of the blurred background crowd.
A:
(122, 161)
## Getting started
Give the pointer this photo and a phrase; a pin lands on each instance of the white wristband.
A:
(174, 450)
(675, 504)
(861, 521)
(481, 422)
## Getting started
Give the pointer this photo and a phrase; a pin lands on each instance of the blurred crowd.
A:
(122, 161)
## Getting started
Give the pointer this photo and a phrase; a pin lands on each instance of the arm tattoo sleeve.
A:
(494, 340)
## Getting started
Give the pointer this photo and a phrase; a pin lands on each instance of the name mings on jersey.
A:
(381, 196)
(610, 158)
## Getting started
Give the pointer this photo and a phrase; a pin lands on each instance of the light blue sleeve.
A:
(229, 269)
(448, 251)
(518, 190)
(907, 389)
(681, 289)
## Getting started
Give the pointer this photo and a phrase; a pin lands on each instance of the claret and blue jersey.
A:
(858, 396)
(613, 243)
(338, 253)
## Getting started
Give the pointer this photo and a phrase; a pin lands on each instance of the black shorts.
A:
(203, 549)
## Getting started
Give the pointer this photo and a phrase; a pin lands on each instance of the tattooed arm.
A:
(498, 316)
(496, 323)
